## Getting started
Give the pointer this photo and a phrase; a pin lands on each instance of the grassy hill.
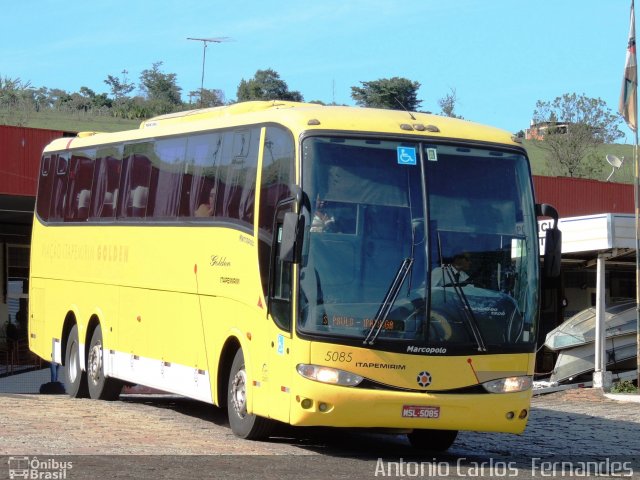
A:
(70, 122)
(600, 166)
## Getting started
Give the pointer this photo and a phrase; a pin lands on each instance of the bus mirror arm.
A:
(546, 210)
(291, 242)
(552, 242)
(302, 200)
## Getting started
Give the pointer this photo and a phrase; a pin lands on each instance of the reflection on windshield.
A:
(471, 255)
(487, 279)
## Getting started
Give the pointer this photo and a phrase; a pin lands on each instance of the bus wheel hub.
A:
(239, 393)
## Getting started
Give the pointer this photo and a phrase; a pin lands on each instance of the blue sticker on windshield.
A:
(407, 156)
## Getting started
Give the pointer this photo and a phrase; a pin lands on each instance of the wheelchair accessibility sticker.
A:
(407, 156)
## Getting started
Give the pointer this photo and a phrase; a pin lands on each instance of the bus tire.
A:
(75, 380)
(432, 440)
(243, 424)
(100, 387)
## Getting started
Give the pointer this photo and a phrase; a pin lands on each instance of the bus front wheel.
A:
(243, 424)
(433, 440)
(100, 386)
(75, 378)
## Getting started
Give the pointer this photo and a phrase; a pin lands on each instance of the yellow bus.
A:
(296, 263)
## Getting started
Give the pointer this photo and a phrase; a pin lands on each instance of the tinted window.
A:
(200, 175)
(79, 188)
(237, 175)
(136, 179)
(199, 183)
(44, 185)
(59, 191)
(167, 171)
(106, 182)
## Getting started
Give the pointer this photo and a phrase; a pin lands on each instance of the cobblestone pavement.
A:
(579, 423)
(574, 422)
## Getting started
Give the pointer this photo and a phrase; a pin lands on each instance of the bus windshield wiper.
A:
(467, 312)
(389, 300)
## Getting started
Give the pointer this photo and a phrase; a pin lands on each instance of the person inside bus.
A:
(323, 219)
(206, 209)
(460, 268)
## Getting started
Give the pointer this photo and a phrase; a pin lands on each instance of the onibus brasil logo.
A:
(34, 468)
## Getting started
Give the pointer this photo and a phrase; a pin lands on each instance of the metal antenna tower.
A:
(205, 41)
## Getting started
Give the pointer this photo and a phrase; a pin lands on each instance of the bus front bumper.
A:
(317, 404)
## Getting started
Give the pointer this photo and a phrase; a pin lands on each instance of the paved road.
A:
(172, 437)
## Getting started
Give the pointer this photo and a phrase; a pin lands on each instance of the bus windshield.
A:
(414, 245)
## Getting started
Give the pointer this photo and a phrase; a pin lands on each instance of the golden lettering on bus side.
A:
(113, 253)
(219, 261)
(86, 253)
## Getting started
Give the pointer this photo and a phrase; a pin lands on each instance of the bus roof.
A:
(298, 117)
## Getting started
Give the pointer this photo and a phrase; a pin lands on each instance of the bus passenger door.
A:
(279, 336)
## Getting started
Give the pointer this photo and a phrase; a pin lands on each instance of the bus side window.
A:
(167, 177)
(106, 180)
(237, 175)
(79, 190)
(201, 162)
(135, 180)
(59, 192)
(45, 185)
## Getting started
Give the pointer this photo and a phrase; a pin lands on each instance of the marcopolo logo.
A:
(415, 349)
(35, 468)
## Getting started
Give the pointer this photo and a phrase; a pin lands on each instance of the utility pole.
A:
(205, 41)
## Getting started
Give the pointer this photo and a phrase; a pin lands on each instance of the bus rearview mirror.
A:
(552, 242)
(552, 253)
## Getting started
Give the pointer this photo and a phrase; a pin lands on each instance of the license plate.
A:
(420, 411)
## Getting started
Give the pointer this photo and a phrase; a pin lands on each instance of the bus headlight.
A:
(328, 375)
(508, 385)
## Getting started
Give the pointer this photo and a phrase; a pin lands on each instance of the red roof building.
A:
(20, 151)
(574, 197)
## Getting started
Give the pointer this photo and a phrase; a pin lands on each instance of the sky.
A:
(500, 56)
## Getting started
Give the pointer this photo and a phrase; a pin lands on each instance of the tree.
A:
(395, 93)
(14, 93)
(16, 97)
(207, 98)
(576, 126)
(448, 104)
(58, 97)
(120, 88)
(160, 89)
(266, 85)
(97, 100)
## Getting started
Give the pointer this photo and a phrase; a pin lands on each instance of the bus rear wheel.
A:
(100, 386)
(243, 424)
(432, 440)
(75, 380)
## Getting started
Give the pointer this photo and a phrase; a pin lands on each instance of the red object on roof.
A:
(573, 197)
